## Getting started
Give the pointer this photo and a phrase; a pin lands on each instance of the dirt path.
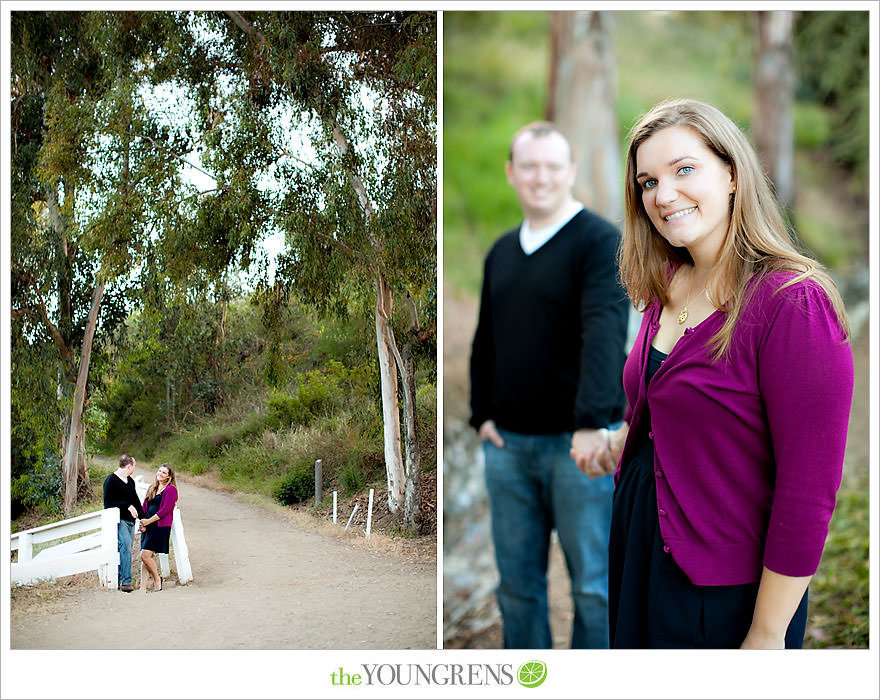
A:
(260, 582)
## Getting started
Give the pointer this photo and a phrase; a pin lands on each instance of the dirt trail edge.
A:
(259, 582)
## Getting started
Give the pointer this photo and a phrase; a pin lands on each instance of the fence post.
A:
(181, 551)
(354, 510)
(25, 547)
(109, 570)
(334, 507)
(318, 481)
(370, 513)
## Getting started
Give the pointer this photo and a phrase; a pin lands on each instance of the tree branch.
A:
(253, 33)
(43, 314)
(176, 155)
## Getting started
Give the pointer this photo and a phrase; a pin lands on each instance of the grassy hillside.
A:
(286, 394)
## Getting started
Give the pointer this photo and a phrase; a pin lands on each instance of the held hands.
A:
(597, 452)
(489, 432)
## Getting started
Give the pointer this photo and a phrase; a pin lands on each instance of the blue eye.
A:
(649, 183)
(685, 169)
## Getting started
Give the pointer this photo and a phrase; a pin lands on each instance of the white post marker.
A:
(319, 479)
(334, 507)
(352, 515)
(370, 513)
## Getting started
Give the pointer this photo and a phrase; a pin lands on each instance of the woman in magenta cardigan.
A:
(156, 527)
(739, 388)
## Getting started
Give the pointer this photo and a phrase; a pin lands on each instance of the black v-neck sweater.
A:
(548, 352)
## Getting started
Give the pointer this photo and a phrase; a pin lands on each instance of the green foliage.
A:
(98, 196)
(352, 478)
(833, 69)
(40, 488)
(297, 486)
(839, 592)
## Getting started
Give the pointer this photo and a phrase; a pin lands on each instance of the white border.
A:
(571, 674)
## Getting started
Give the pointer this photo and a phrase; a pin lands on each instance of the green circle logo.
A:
(532, 673)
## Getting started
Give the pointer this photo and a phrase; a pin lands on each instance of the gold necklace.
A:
(683, 314)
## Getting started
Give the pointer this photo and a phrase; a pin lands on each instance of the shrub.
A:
(316, 395)
(283, 410)
(297, 486)
(41, 487)
(352, 478)
(213, 444)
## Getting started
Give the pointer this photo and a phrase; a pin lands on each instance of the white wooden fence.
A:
(91, 552)
(94, 551)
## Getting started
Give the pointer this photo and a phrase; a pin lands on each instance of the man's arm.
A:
(482, 365)
(133, 500)
(604, 313)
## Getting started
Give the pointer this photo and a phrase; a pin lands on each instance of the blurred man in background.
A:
(546, 367)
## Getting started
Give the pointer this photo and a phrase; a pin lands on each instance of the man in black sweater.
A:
(546, 367)
(120, 492)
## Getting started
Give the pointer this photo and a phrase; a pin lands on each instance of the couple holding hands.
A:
(153, 518)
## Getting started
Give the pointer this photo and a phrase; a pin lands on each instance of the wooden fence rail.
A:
(95, 551)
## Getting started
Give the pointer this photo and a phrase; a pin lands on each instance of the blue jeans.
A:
(534, 486)
(124, 538)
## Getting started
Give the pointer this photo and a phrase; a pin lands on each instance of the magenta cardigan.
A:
(748, 450)
(166, 507)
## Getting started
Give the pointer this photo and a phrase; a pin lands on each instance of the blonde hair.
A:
(154, 487)
(757, 241)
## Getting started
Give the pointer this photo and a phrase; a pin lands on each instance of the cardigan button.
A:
(666, 548)
(658, 474)
(661, 511)
(651, 435)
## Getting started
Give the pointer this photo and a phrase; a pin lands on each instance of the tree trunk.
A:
(413, 497)
(83, 484)
(583, 103)
(394, 467)
(69, 465)
(773, 124)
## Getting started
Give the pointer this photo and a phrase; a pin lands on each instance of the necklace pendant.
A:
(682, 317)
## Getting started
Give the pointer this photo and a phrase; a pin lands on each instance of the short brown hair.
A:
(537, 129)
(125, 460)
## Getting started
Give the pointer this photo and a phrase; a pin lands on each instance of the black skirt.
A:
(651, 601)
(155, 538)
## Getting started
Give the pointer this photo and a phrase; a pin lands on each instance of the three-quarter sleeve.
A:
(806, 383)
(169, 499)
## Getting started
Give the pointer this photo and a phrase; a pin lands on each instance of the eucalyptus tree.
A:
(582, 100)
(89, 190)
(356, 196)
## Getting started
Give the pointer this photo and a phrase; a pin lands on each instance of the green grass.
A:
(839, 590)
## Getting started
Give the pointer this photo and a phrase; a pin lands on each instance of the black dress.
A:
(651, 601)
(155, 537)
